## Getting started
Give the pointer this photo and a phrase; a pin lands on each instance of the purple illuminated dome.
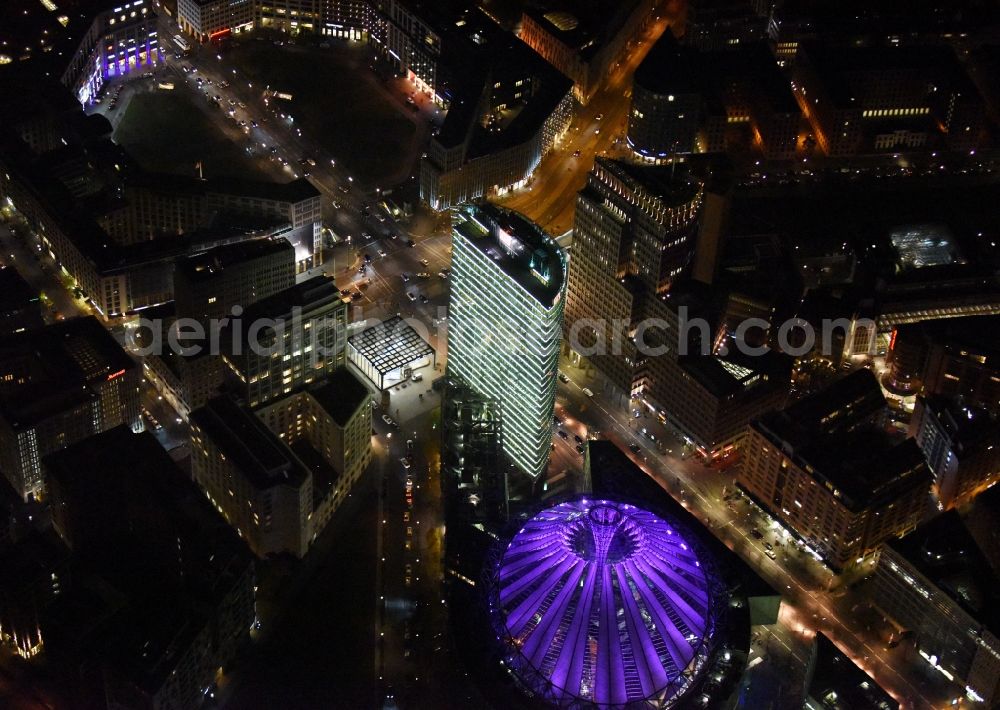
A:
(601, 603)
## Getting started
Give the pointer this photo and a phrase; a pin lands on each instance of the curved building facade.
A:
(505, 323)
(598, 603)
(666, 103)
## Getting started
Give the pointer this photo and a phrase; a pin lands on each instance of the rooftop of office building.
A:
(669, 185)
(340, 395)
(880, 18)
(214, 262)
(308, 295)
(727, 377)
(245, 440)
(47, 33)
(671, 68)
(945, 552)
(15, 292)
(48, 370)
(979, 336)
(507, 61)
(967, 427)
(839, 684)
(837, 436)
(143, 527)
(519, 247)
(840, 67)
(88, 178)
(582, 25)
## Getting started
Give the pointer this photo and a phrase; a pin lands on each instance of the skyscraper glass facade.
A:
(506, 311)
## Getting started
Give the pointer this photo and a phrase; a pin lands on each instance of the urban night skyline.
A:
(521, 354)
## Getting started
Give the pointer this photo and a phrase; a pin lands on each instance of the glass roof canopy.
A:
(599, 603)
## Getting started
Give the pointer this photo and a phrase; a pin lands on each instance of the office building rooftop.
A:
(519, 247)
(729, 376)
(143, 527)
(243, 438)
(47, 34)
(317, 292)
(836, 435)
(584, 25)
(842, 69)
(839, 684)
(949, 556)
(15, 292)
(215, 261)
(340, 394)
(49, 369)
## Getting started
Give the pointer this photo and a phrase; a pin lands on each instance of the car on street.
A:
(425, 263)
(405, 460)
(578, 438)
(563, 377)
(381, 252)
(388, 420)
(579, 449)
(405, 276)
(770, 553)
(562, 434)
(412, 296)
(756, 534)
(557, 419)
(587, 391)
(576, 154)
(410, 243)
(443, 274)
(423, 298)
(423, 275)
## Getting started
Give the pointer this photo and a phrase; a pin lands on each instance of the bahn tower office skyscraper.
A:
(506, 312)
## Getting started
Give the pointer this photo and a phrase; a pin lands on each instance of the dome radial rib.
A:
(600, 603)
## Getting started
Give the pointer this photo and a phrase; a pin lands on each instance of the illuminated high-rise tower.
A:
(505, 323)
